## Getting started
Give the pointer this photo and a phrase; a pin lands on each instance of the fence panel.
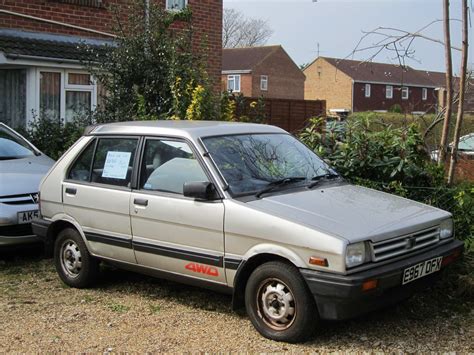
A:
(291, 115)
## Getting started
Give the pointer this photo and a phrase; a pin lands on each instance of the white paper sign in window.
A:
(116, 165)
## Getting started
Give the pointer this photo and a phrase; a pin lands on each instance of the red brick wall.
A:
(207, 21)
(285, 79)
(378, 101)
(464, 168)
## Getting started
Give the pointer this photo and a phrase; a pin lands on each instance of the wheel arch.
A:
(245, 270)
(59, 223)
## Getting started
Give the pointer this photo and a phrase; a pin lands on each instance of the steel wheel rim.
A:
(276, 304)
(70, 258)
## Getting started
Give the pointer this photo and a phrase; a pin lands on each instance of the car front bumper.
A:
(17, 234)
(342, 296)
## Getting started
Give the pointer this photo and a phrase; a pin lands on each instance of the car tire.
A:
(279, 303)
(74, 264)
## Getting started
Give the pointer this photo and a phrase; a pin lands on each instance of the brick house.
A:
(353, 86)
(40, 67)
(262, 71)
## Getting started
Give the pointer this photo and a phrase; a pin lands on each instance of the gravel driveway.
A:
(133, 313)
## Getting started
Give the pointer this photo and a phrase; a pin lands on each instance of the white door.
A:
(171, 232)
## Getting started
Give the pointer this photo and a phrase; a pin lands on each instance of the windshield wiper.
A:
(278, 183)
(318, 178)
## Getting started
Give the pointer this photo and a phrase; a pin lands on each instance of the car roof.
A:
(177, 128)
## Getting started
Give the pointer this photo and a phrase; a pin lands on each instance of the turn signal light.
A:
(369, 285)
(318, 261)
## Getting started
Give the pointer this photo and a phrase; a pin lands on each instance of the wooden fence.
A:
(291, 115)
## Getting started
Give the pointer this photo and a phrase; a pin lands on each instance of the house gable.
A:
(325, 82)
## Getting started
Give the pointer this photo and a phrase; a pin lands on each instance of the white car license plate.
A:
(422, 269)
(27, 216)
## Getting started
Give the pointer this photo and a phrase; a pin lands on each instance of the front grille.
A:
(404, 245)
(16, 230)
(24, 199)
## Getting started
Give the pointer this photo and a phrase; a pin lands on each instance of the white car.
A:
(22, 167)
(240, 208)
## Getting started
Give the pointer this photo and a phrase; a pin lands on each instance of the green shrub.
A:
(154, 73)
(54, 136)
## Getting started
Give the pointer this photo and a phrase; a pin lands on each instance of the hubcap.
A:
(276, 304)
(71, 260)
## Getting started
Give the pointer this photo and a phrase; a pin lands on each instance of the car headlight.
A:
(446, 229)
(355, 254)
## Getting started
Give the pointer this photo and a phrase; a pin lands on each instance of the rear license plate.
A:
(27, 216)
(422, 269)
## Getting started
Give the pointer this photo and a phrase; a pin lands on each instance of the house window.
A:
(50, 95)
(405, 93)
(176, 5)
(13, 97)
(389, 92)
(367, 90)
(233, 83)
(264, 82)
(66, 95)
(424, 94)
(79, 90)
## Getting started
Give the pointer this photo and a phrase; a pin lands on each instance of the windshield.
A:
(13, 146)
(251, 162)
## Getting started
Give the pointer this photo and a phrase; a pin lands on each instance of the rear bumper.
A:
(342, 297)
(40, 228)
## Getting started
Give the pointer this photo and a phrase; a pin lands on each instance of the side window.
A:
(81, 169)
(167, 165)
(113, 161)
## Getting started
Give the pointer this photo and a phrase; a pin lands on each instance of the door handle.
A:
(140, 202)
(71, 191)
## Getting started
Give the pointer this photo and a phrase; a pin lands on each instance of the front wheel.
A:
(75, 266)
(279, 303)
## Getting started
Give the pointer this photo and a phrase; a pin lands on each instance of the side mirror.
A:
(200, 190)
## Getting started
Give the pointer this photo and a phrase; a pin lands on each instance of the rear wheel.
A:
(279, 303)
(75, 266)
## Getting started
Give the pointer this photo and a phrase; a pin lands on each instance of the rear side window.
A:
(81, 169)
(113, 161)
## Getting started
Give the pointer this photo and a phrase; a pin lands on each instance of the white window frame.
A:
(405, 92)
(367, 90)
(389, 89)
(264, 82)
(66, 87)
(235, 78)
(424, 94)
(169, 8)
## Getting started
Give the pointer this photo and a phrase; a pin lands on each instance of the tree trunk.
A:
(462, 90)
(449, 84)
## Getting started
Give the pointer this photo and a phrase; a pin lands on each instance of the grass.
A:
(154, 308)
(119, 308)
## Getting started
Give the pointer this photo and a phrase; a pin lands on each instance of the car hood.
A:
(22, 176)
(352, 212)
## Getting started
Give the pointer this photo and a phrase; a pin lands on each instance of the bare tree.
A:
(240, 31)
(449, 84)
(462, 90)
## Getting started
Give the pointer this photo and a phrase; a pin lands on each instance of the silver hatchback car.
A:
(240, 208)
(22, 167)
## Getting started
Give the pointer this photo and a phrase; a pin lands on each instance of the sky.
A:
(338, 25)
